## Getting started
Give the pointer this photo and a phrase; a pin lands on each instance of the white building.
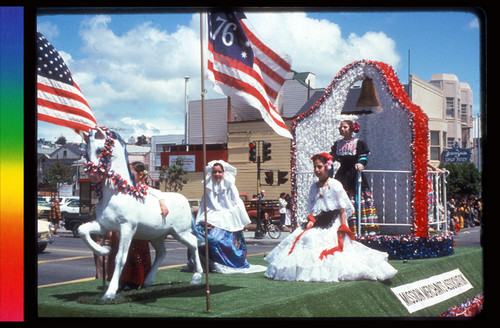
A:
(161, 144)
(457, 97)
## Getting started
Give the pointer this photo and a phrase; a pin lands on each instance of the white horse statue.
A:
(129, 210)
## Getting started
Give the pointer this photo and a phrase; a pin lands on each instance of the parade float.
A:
(396, 131)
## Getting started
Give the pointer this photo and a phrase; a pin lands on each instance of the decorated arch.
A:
(397, 136)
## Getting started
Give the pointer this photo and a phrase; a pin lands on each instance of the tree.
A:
(58, 173)
(464, 180)
(173, 175)
(142, 140)
(61, 140)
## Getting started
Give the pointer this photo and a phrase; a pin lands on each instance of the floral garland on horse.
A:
(102, 169)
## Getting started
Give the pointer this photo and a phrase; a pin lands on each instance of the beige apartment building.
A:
(448, 104)
(457, 97)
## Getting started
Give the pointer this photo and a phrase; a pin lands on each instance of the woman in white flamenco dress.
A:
(324, 249)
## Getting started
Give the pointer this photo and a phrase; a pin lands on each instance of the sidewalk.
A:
(249, 237)
(265, 240)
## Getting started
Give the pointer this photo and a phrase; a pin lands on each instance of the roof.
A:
(46, 151)
(74, 149)
(444, 77)
(173, 139)
(310, 102)
(302, 77)
(137, 150)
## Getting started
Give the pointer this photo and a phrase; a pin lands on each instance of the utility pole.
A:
(259, 151)
(186, 112)
(259, 234)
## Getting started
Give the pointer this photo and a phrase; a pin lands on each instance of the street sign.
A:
(456, 155)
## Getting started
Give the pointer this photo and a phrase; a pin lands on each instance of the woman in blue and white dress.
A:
(226, 218)
(324, 248)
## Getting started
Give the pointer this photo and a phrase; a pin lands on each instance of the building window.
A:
(435, 146)
(463, 113)
(450, 107)
(450, 142)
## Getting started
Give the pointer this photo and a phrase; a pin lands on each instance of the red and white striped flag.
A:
(59, 99)
(241, 65)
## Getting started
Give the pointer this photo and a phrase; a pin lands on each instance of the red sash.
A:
(343, 229)
(311, 218)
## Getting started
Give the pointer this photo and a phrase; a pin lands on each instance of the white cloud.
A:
(49, 30)
(474, 23)
(140, 72)
(373, 46)
(318, 46)
(136, 79)
(147, 127)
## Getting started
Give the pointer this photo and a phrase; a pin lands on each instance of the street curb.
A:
(265, 240)
(249, 237)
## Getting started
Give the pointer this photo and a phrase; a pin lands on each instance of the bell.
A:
(368, 96)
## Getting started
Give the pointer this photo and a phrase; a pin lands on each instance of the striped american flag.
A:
(59, 99)
(241, 65)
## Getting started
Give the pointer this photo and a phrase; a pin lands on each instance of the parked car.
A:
(45, 207)
(45, 235)
(72, 223)
(270, 208)
(195, 205)
(66, 200)
(70, 208)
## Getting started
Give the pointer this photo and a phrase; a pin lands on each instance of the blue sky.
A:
(131, 68)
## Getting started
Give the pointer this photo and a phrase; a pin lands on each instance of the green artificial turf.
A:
(255, 296)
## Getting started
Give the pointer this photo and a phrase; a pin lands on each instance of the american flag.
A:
(241, 65)
(59, 99)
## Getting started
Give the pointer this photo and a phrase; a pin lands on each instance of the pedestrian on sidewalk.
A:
(288, 215)
(282, 209)
(55, 214)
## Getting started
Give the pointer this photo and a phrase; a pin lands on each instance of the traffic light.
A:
(269, 177)
(252, 155)
(282, 177)
(266, 150)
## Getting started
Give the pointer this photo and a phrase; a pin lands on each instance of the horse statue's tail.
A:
(194, 231)
(93, 227)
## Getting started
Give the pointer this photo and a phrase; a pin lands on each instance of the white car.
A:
(62, 200)
(69, 208)
(66, 200)
(45, 235)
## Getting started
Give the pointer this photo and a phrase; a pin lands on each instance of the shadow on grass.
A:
(179, 289)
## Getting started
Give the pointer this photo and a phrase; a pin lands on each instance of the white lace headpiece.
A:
(229, 177)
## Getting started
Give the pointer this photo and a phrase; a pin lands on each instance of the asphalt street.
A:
(69, 259)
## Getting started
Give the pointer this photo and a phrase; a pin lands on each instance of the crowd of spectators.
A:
(464, 213)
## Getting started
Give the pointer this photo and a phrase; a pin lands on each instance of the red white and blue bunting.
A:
(102, 168)
(470, 308)
(418, 121)
(410, 247)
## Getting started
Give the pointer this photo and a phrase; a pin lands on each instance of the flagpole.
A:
(207, 268)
